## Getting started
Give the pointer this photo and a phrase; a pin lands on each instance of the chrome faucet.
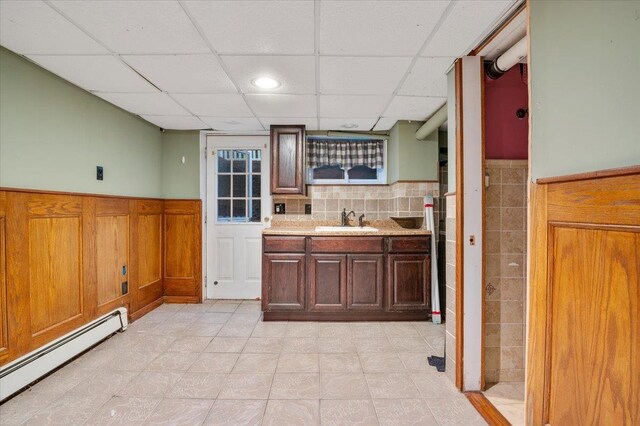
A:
(344, 217)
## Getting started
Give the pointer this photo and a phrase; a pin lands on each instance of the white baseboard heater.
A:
(30, 367)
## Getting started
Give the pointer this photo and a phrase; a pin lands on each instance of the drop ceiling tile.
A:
(427, 78)
(99, 73)
(310, 123)
(232, 124)
(393, 28)
(214, 105)
(176, 122)
(35, 28)
(183, 73)
(144, 103)
(363, 106)
(136, 26)
(413, 107)
(283, 105)
(296, 74)
(464, 27)
(361, 76)
(385, 123)
(253, 27)
(361, 124)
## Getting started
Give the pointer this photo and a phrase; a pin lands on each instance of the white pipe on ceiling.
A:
(436, 120)
(508, 59)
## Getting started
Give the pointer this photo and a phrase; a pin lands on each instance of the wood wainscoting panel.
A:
(55, 271)
(594, 375)
(4, 337)
(583, 346)
(146, 253)
(150, 255)
(182, 251)
(62, 257)
(112, 255)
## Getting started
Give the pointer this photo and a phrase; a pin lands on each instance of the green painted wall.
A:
(54, 134)
(181, 180)
(585, 86)
(410, 158)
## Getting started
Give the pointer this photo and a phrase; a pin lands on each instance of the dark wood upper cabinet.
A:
(287, 159)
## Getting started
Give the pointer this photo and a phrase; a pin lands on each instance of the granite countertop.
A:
(385, 228)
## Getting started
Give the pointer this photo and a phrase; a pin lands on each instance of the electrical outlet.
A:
(279, 208)
(307, 209)
(99, 173)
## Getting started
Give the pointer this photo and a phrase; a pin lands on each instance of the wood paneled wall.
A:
(64, 259)
(584, 300)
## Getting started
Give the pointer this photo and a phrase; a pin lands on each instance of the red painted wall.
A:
(506, 136)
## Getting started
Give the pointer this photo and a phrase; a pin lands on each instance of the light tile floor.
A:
(508, 398)
(218, 364)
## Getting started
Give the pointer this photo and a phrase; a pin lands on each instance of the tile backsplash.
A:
(376, 202)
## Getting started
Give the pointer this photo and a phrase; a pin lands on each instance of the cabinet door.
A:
(287, 159)
(283, 277)
(327, 282)
(408, 282)
(364, 284)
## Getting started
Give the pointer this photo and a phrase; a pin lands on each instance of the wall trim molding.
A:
(620, 171)
(88, 194)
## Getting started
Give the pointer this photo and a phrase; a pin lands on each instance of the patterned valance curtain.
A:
(346, 153)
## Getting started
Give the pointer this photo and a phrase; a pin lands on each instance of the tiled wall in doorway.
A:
(505, 270)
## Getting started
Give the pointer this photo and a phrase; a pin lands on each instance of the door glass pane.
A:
(224, 186)
(224, 210)
(224, 163)
(239, 211)
(255, 186)
(239, 186)
(254, 214)
(239, 161)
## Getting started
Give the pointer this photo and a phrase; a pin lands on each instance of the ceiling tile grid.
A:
(191, 64)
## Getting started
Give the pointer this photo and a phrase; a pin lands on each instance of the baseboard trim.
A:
(146, 309)
(487, 410)
(181, 299)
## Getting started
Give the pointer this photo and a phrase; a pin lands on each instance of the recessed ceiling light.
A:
(350, 125)
(265, 83)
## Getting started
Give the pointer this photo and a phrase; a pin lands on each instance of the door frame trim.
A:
(204, 188)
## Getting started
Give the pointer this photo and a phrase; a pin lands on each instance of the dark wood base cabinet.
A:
(346, 278)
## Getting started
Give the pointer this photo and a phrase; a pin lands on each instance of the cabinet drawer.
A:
(346, 245)
(420, 244)
(284, 244)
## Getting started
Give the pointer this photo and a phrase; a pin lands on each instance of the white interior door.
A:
(238, 207)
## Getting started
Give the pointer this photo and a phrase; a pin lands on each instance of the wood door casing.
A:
(283, 281)
(365, 277)
(408, 281)
(327, 282)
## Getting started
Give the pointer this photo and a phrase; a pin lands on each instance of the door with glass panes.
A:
(238, 207)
